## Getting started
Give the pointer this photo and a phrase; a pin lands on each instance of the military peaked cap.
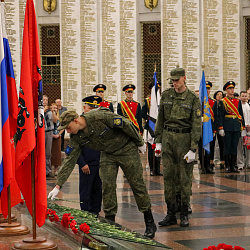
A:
(209, 84)
(177, 73)
(229, 84)
(128, 87)
(99, 87)
(92, 101)
(67, 117)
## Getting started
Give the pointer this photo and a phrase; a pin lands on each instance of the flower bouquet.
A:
(223, 246)
(81, 221)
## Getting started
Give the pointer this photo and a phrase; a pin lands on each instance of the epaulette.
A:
(211, 98)
(193, 93)
(135, 101)
(107, 101)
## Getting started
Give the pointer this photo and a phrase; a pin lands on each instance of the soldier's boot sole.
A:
(168, 221)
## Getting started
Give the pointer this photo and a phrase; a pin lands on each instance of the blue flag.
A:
(207, 124)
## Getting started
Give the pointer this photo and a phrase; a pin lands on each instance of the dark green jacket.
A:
(105, 131)
(179, 110)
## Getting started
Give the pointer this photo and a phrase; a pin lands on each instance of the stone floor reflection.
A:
(220, 203)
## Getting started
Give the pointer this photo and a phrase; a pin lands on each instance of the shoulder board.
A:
(135, 101)
(107, 101)
(193, 93)
(211, 98)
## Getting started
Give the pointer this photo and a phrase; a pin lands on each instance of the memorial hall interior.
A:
(84, 43)
(118, 42)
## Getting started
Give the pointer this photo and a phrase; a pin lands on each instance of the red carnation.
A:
(51, 218)
(153, 146)
(158, 151)
(22, 201)
(56, 218)
(75, 230)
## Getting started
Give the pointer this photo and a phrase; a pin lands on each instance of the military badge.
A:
(117, 122)
(198, 113)
(68, 149)
(49, 5)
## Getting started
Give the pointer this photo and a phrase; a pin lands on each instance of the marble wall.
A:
(100, 42)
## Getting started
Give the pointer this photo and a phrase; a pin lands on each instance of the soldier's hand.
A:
(189, 157)
(158, 150)
(142, 148)
(222, 132)
(53, 193)
(85, 169)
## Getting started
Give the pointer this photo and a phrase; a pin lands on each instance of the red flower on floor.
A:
(85, 228)
(223, 246)
(22, 201)
(67, 221)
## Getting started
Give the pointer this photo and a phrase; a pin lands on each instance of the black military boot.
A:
(150, 224)
(184, 215)
(178, 202)
(227, 163)
(233, 162)
(110, 217)
(170, 219)
(190, 209)
(150, 161)
(157, 166)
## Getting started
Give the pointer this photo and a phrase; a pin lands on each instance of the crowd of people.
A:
(102, 141)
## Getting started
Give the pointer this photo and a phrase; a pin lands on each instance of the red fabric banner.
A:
(9, 169)
(30, 130)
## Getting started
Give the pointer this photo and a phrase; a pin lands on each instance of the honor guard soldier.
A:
(233, 123)
(178, 130)
(90, 184)
(99, 89)
(154, 170)
(119, 142)
(130, 108)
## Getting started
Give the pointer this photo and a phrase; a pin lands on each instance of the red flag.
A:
(30, 130)
(9, 169)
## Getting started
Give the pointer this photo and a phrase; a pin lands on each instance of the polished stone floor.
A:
(220, 203)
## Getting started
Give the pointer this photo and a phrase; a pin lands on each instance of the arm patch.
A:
(117, 122)
(68, 149)
(198, 112)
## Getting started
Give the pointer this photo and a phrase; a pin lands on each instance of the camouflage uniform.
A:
(118, 141)
(178, 128)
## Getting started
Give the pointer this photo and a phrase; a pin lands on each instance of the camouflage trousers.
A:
(129, 160)
(177, 172)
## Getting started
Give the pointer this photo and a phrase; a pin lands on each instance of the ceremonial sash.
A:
(211, 112)
(230, 106)
(129, 114)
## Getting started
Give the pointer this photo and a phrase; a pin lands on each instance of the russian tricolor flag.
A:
(8, 120)
(5, 143)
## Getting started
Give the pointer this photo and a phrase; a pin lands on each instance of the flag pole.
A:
(203, 170)
(9, 227)
(154, 149)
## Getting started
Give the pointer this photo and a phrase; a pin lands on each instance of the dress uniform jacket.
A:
(135, 107)
(118, 141)
(230, 122)
(107, 104)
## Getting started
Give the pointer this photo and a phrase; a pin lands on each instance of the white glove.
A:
(190, 156)
(214, 134)
(243, 133)
(222, 132)
(142, 148)
(53, 193)
(158, 150)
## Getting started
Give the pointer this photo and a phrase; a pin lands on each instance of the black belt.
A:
(177, 130)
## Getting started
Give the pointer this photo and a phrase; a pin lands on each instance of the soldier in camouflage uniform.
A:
(178, 130)
(118, 141)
